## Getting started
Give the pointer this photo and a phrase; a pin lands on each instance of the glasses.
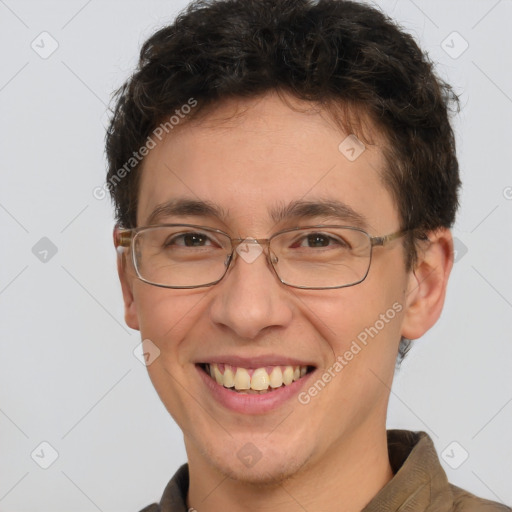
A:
(312, 257)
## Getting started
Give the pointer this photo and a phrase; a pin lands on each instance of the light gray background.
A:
(68, 375)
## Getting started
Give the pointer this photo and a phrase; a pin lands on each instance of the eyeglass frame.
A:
(123, 238)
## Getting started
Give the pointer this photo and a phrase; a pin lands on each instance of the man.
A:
(284, 176)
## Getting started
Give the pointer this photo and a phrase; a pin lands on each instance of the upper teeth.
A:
(259, 379)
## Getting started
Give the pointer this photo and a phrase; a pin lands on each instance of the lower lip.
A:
(252, 403)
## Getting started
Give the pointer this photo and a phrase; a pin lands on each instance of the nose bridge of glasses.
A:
(249, 247)
(236, 242)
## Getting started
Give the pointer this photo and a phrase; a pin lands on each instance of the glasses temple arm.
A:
(382, 240)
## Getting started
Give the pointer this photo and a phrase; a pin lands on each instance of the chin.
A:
(266, 467)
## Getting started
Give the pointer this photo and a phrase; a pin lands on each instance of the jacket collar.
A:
(419, 483)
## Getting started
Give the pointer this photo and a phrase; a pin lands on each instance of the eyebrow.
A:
(294, 210)
(322, 208)
(185, 208)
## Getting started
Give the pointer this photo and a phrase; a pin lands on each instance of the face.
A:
(248, 167)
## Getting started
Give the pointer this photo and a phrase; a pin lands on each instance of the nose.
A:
(250, 299)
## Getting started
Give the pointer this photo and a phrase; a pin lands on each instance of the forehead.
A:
(251, 158)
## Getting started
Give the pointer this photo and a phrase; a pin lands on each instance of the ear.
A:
(427, 284)
(126, 278)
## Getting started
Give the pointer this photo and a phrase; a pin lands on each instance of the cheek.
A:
(166, 316)
(362, 322)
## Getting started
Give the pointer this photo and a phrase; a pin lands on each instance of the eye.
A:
(189, 240)
(319, 240)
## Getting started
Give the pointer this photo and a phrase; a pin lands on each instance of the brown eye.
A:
(189, 240)
(194, 240)
(317, 240)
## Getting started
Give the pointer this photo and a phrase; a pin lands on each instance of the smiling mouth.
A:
(254, 380)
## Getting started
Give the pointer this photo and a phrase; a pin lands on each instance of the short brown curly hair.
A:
(331, 52)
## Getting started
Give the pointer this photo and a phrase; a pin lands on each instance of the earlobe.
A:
(426, 289)
(130, 310)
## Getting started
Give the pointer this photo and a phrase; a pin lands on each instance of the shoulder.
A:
(175, 494)
(464, 501)
(154, 507)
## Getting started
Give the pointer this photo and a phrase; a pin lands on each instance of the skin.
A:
(333, 450)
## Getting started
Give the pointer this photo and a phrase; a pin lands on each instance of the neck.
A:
(345, 479)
